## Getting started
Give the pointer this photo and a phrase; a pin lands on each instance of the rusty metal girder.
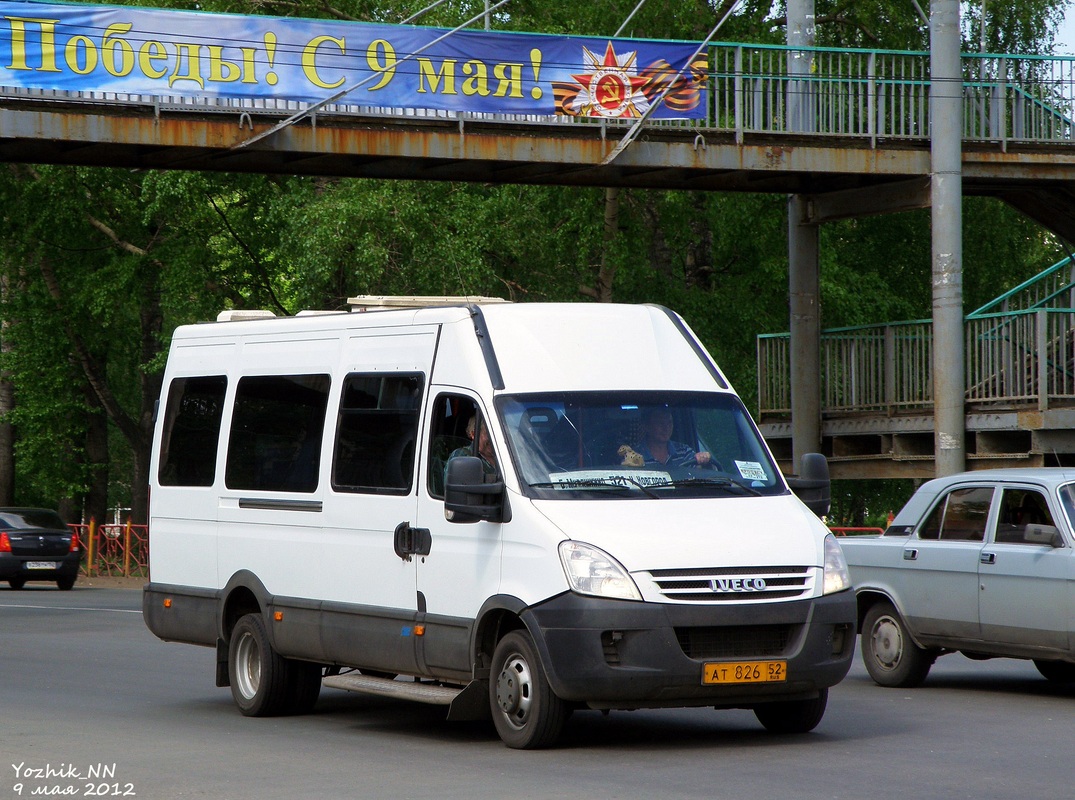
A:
(535, 153)
(422, 149)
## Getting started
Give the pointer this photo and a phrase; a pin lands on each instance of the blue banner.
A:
(139, 51)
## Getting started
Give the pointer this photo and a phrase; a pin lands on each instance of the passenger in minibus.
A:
(484, 450)
(659, 449)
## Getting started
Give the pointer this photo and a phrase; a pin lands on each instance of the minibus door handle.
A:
(410, 541)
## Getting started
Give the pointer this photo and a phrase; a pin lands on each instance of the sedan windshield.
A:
(19, 518)
(1067, 499)
(636, 444)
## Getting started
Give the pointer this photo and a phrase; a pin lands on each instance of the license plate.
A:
(40, 565)
(745, 672)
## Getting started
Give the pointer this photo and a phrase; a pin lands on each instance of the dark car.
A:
(36, 545)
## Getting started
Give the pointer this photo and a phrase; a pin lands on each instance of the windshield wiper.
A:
(717, 481)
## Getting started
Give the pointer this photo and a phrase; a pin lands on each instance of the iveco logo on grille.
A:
(738, 585)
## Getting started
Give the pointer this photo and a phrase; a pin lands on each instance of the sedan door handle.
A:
(988, 558)
(910, 554)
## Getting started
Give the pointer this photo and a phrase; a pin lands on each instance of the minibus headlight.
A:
(594, 572)
(837, 577)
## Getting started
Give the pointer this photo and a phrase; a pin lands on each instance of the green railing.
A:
(1019, 352)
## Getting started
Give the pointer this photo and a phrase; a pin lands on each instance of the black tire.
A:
(1056, 671)
(66, 584)
(793, 716)
(891, 656)
(526, 713)
(259, 675)
(16, 583)
(304, 686)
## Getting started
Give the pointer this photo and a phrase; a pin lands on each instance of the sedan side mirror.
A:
(1044, 534)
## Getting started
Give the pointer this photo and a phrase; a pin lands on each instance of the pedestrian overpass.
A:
(864, 148)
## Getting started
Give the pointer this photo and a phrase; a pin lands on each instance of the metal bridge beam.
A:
(887, 198)
(424, 149)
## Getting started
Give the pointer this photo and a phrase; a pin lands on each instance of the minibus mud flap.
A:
(471, 704)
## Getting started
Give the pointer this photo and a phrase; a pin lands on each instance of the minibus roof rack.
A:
(371, 302)
(240, 314)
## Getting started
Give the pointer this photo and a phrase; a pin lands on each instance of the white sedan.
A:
(981, 563)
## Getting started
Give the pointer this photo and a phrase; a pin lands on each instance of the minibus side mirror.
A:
(812, 483)
(467, 497)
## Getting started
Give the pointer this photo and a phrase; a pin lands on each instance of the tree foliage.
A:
(97, 266)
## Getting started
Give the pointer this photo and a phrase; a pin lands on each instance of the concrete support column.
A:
(801, 97)
(946, 186)
(803, 296)
(803, 264)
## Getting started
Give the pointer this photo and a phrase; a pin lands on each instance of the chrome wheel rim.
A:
(247, 666)
(515, 690)
(887, 639)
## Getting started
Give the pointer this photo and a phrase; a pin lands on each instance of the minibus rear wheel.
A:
(259, 675)
(526, 712)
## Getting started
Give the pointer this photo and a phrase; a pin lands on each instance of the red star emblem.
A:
(613, 86)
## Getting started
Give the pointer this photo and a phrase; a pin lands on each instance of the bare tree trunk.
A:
(601, 291)
(698, 260)
(7, 406)
(151, 319)
(660, 253)
(95, 505)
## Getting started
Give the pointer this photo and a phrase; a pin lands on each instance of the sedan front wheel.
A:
(891, 656)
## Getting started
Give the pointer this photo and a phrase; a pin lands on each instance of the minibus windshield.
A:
(582, 445)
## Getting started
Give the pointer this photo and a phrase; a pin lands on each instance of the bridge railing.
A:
(858, 94)
(1018, 98)
(849, 93)
(1019, 352)
(878, 368)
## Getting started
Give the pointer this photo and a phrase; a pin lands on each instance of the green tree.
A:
(120, 258)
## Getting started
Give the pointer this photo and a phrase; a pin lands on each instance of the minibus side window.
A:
(376, 433)
(191, 431)
(276, 432)
(456, 429)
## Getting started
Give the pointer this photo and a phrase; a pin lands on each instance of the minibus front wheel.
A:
(526, 712)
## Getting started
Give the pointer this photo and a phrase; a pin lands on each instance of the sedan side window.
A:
(1024, 518)
(959, 516)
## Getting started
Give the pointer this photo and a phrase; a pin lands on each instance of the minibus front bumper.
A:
(623, 654)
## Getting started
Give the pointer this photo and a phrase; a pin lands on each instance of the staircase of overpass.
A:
(877, 380)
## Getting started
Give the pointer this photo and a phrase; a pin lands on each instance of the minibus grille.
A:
(753, 641)
(734, 584)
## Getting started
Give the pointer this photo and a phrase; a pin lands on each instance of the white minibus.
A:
(512, 510)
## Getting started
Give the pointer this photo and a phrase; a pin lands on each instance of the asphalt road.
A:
(92, 704)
